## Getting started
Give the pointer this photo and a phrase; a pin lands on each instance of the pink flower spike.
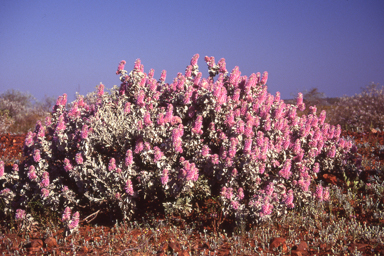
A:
(240, 127)
(160, 119)
(5, 191)
(64, 99)
(205, 151)
(222, 66)
(230, 119)
(248, 131)
(140, 99)
(66, 215)
(142, 82)
(147, 119)
(332, 151)
(286, 171)
(198, 123)
(20, 214)
(67, 165)
(194, 59)
(41, 133)
(1, 169)
(139, 146)
(120, 67)
(247, 146)
(58, 101)
(129, 188)
(188, 71)
(289, 199)
(45, 182)
(137, 66)
(61, 124)
(15, 167)
(36, 155)
(299, 99)
(316, 167)
(277, 97)
(147, 146)
(322, 117)
(127, 108)
(261, 168)
(158, 154)
(235, 205)
(267, 125)
(151, 73)
(112, 164)
(48, 121)
(84, 132)
(241, 193)
(234, 77)
(229, 194)
(266, 209)
(210, 61)
(163, 76)
(196, 80)
(169, 114)
(297, 147)
(234, 172)
(128, 158)
(75, 221)
(313, 109)
(212, 126)
(32, 173)
(164, 177)
(215, 159)
(45, 192)
(269, 189)
(264, 78)
(100, 90)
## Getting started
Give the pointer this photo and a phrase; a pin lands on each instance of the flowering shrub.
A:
(193, 137)
(362, 111)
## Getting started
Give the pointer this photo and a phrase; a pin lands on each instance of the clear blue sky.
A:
(55, 47)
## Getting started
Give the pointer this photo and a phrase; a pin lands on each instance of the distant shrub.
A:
(19, 111)
(315, 97)
(361, 112)
(5, 121)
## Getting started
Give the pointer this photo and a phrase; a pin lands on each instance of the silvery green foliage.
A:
(361, 112)
(177, 142)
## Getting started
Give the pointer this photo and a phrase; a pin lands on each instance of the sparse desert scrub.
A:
(361, 112)
(19, 111)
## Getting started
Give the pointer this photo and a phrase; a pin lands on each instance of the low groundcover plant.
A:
(224, 135)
